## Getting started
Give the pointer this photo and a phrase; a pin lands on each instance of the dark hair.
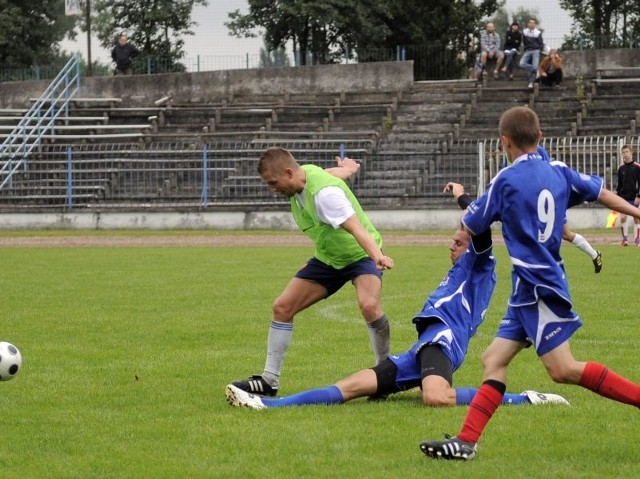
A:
(516, 24)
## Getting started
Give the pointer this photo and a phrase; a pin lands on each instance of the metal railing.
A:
(593, 155)
(38, 121)
(183, 176)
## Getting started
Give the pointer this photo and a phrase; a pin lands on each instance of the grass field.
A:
(127, 351)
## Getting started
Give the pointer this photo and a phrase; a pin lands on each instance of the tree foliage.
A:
(602, 23)
(30, 31)
(156, 27)
(324, 31)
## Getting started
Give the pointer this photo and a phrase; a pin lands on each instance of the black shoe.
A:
(378, 397)
(256, 385)
(450, 448)
(597, 263)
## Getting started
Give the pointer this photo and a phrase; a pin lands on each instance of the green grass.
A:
(127, 352)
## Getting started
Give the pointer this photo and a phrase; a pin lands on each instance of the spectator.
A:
(533, 43)
(490, 48)
(512, 43)
(550, 70)
(123, 54)
(628, 187)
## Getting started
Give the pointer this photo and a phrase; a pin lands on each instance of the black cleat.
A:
(450, 448)
(256, 385)
(597, 263)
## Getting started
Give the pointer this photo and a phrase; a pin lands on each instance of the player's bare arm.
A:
(346, 168)
(364, 239)
(614, 202)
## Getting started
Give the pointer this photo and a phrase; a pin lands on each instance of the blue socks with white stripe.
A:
(465, 395)
(326, 395)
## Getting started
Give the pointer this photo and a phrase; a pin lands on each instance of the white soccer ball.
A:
(10, 361)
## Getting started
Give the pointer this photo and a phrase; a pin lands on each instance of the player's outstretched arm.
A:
(612, 201)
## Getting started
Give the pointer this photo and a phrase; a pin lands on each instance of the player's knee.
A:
(370, 309)
(281, 309)
(564, 374)
(436, 398)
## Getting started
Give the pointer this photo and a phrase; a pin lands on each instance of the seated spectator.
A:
(490, 48)
(512, 43)
(550, 70)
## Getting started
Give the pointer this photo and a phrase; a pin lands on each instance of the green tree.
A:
(327, 31)
(156, 27)
(602, 23)
(318, 32)
(30, 31)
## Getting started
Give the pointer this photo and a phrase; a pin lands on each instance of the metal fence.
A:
(433, 61)
(193, 177)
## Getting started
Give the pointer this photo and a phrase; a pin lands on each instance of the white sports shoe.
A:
(544, 398)
(238, 397)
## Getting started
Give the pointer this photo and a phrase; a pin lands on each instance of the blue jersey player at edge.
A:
(530, 198)
(445, 325)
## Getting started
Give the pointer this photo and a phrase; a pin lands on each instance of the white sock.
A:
(624, 227)
(584, 246)
(380, 337)
(277, 344)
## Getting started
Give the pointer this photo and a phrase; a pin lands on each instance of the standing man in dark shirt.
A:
(123, 54)
(629, 189)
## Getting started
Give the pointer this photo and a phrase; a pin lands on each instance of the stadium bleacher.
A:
(409, 141)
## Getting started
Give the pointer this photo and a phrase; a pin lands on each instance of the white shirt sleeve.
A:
(333, 207)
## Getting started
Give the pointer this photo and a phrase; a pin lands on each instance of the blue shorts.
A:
(546, 324)
(409, 374)
(333, 279)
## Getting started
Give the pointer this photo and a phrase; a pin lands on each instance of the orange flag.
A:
(611, 219)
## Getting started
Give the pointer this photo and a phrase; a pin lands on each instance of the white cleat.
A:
(238, 397)
(544, 398)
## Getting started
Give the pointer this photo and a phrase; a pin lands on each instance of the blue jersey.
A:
(531, 198)
(462, 298)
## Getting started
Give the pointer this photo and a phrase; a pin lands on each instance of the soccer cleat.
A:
(256, 385)
(597, 262)
(238, 397)
(544, 398)
(450, 448)
(496, 75)
(624, 242)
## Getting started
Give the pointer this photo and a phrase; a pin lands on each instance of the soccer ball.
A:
(10, 361)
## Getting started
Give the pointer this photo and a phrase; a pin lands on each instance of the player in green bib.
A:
(347, 248)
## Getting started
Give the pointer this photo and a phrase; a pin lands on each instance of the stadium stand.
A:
(167, 154)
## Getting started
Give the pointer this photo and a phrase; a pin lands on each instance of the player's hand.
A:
(348, 163)
(454, 188)
(384, 263)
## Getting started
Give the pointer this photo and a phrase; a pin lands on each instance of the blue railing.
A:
(39, 120)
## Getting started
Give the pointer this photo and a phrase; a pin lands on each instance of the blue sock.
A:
(466, 395)
(510, 398)
(326, 395)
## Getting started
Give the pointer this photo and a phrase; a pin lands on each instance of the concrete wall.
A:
(584, 63)
(441, 219)
(143, 90)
